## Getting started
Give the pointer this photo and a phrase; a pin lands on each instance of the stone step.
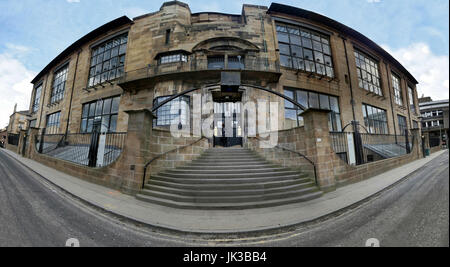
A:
(230, 170)
(227, 181)
(229, 206)
(219, 168)
(239, 186)
(226, 175)
(229, 199)
(226, 163)
(226, 191)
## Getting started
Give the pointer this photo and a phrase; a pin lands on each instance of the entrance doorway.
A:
(227, 124)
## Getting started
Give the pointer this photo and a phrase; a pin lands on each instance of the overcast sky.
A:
(33, 32)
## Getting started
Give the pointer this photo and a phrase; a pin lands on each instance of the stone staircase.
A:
(229, 178)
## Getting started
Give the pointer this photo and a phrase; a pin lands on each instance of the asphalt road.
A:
(413, 213)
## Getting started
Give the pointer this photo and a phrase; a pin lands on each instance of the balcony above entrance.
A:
(253, 71)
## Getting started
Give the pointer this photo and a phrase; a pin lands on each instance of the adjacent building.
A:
(435, 120)
(18, 121)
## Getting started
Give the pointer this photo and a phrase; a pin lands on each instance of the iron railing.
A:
(339, 142)
(385, 145)
(256, 64)
(77, 147)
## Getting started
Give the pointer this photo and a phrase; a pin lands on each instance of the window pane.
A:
(115, 105)
(324, 102)
(290, 94)
(302, 98)
(107, 106)
(285, 61)
(313, 100)
(284, 49)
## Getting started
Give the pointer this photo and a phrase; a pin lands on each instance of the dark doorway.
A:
(227, 124)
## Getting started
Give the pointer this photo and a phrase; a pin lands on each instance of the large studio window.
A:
(368, 73)
(397, 90)
(59, 84)
(53, 123)
(375, 119)
(173, 112)
(108, 60)
(308, 99)
(402, 126)
(305, 50)
(37, 98)
(104, 111)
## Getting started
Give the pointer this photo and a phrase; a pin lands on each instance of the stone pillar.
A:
(137, 149)
(318, 147)
(21, 139)
(31, 143)
(417, 143)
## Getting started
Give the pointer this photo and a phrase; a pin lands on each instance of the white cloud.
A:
(373, 1)
(15, 86)
(430, 70)
(73, 1)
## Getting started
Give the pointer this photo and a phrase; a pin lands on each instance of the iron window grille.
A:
(108, 60)
(59, 84)
(375, 119)
(304, 49)
(174, 112)
(368, 73)
(105, 111)
(311, 100)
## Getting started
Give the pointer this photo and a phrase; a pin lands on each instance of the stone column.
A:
(137, 149)
(417, 143)
(30, 149)
(318, 147)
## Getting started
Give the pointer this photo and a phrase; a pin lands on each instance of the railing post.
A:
(359, 150)
(41, 143)
(93, 148)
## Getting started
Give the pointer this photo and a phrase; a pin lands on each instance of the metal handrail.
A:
(163, 154)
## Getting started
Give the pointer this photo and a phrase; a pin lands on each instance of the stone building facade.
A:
(316, 71)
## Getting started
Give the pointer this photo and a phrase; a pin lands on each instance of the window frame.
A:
(370, 123)
(37, 100)
(402, 127)
(374, 84)
(59, 83)
(307, 41)
(115, 50)
(53, 122)
(397, 86)
(334, 119)
(92, 106)
(168, 118)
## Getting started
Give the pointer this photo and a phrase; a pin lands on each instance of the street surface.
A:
(413, 213)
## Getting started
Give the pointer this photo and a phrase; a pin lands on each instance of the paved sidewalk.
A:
(222, 221)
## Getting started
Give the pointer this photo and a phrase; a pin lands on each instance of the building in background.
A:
(18, 121)
(435, 120)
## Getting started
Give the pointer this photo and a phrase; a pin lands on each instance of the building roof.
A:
(298, 12)
(87, 38)
(434, 104)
